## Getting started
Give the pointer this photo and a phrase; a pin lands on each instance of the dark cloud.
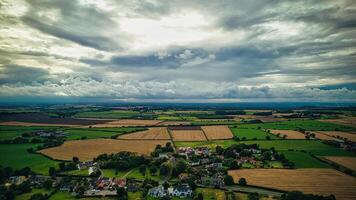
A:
(11, 74)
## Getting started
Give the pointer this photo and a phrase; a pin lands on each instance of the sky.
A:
(178, 50)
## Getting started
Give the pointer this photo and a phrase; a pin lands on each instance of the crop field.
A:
(14, 123)
(159, 133)
(336, 134)
(88, 149)
(309, 125)
(16, 156)
(127, 122)
(311, 181)
(251, 134)
(322, 136)
(188, 135)
(217, 132)
(349, 162)
(290, 134)
(174, 123)
(349, 121)
(92, 133)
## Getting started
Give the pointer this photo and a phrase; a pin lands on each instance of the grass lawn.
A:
(303, 160)
(310, 125)
(250, 134)
(169, 117)
(27, 196)
(213, 194)
(92, 133)
(135, 195)
(112, 173)
(83, 172)
(135, 173)
(16, 156)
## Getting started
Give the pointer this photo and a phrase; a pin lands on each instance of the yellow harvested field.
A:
(159, 133)
(309, 181)
(349, 162)
(348, 121)
(335, 134)
(12, 123)
(188, 135)
(289, 133)
(217, 132)
(128, 122)
(88, 149)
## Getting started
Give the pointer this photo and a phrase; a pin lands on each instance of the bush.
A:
(242, 181)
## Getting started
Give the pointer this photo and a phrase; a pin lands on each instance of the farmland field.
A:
(290, 134)
(336, 134)
(322, 136)
(88, 149)
(303, 160)
(250, 133)
(159, 133)
(16, 156)
(310, 125)
(349, 162)
(127, 122)
(113, 114)
(92, 133)
(349, 121)
(188, 135)
(315, 181)
(217, 132)
(11, 132)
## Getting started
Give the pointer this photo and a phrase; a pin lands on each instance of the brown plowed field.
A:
(217, 132)
(88, 149)
(349, 136)
(188, 135)
(322, 136)
(289, 133)
(349, 162)
(128, 122)
(312, 181)
(159, 133)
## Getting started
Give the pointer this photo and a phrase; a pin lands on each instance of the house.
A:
(92, 169)
(85, 165)
(181, 191)
(132, 186)
(17, 180)
(216, 181)
(157, 191)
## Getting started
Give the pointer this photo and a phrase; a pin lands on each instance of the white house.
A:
(157, 191)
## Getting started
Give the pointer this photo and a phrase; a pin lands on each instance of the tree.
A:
(62, 166)
(166, 185)
(153, 170)
(180, 166)
(219, 150)
(142, 169)
(268, 137)
(10, 195)
(228, 180)
(242, 181)
(121, 193)
(199, 197)
(75, 159)
(266, 155)
(47, 184)
(52, 172)
(164, 170)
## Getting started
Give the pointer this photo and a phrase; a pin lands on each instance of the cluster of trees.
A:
(230, 112)
(159, 149)
(262, 113)
(121, 161)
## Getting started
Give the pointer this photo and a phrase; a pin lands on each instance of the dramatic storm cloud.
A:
(178, 50)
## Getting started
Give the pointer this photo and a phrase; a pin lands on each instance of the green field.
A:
(92, 133)
(251, 134)
(112, 173)
(303, 160)
(114, 114)
(16, 156)
(135, 173)
(27, 196)
(310, 125)
(11, 132)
